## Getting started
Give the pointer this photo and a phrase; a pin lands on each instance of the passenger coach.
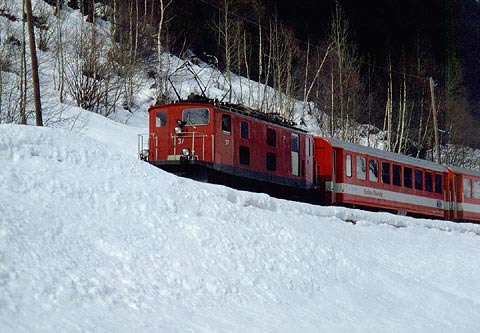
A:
(465, 195)
(359, 176)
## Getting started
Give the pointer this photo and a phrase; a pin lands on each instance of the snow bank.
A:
(92, 239)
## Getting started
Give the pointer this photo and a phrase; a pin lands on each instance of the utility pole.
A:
(33, 56)
(435, 122)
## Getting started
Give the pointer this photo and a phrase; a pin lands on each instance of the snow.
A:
(92, 239)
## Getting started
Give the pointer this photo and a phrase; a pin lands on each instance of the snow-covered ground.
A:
(94, 240)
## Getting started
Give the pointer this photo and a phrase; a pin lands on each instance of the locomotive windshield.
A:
(196, 116)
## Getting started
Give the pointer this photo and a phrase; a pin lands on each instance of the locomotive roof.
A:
(272, 118)
(387, 155)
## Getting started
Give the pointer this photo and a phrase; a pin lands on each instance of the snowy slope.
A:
(93, 240)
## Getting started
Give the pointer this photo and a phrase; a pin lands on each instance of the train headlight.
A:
(178, 130)
(144, 154)
(186, 152)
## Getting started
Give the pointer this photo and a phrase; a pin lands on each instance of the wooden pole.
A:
(33, 56)
(435, 121)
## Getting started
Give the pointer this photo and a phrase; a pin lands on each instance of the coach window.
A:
(244, 130)
(428, 181)
(385, 172)
(271, 162)
(348, 165)
(476, 189)
(373, 170)
(467, 188)
(161, 118)
(271, 137)
(438, 184)
(407, 177)
(244, 155)
(397, 175)
(226, 124)
(361, 168)
(419, 180)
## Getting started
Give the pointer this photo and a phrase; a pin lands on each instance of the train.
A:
(236, 146)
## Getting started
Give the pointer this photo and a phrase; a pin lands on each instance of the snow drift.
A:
(91, 239)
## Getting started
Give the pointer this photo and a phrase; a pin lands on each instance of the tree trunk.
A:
(387, 122)
(332, 92)
(260, 62)
(61, 65)
(305, 82)
(23, 79)
(159, 52)
(227, 46)
(247, 68)
(33, 55)
(435, 123)
(267, 74)
(403, 112)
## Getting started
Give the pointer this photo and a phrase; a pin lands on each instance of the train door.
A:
(224, 139)
(454, 201)
(295, 154)
(307, 167)
(334, 176)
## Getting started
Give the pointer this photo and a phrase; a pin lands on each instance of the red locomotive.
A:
(245, 149)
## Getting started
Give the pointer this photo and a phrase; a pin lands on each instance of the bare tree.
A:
(247, 67)
(59, 51)
(387, 123)
(23, 75)
(163, 8)
(310, 83)
(346, 84)
(33, 56)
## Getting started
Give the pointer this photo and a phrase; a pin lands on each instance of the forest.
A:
(407, 69)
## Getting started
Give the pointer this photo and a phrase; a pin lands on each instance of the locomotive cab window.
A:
(244, 130)
(271, 137)
(160, 119)
(295, 143)
(361, 168)
(196, 116)
(438, 184)
(467, 188)
(348, 165)
(397, 175)
(373, 170)
(385, 173)
(226, 124)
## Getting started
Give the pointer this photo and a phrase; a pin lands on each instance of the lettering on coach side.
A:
(372, 193)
